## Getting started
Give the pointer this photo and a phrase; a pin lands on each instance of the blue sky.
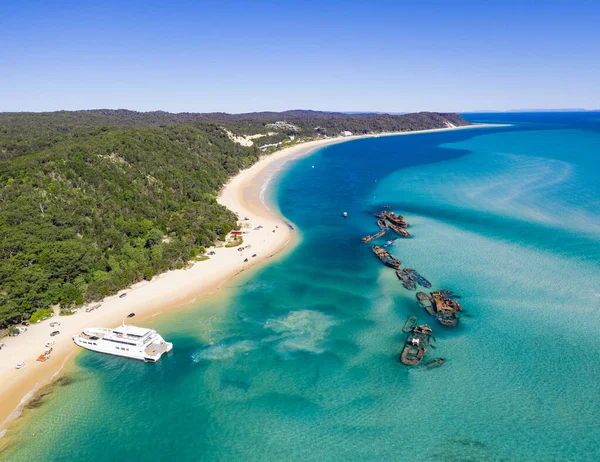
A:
(233, 56)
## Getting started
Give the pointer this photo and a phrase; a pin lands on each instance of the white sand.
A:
(169, 290)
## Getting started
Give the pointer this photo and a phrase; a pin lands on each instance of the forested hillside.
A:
(93, 201)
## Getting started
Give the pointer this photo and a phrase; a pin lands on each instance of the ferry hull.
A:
(150, 353)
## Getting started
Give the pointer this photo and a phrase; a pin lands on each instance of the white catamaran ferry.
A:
(125, 340)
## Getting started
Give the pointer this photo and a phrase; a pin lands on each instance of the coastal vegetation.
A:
(41, 314)
(93, 201)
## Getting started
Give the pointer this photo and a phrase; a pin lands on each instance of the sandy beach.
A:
(243, 194)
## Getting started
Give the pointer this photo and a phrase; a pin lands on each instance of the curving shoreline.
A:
(243, 194)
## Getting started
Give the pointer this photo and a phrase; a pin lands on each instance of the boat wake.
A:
(224, 351)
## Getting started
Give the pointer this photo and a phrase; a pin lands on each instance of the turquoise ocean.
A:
(298, 359)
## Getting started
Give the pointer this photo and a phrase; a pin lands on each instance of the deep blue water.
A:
(298, 360)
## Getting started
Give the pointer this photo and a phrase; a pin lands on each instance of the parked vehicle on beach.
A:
(54, 324)
(55, 333)
(131, 315)
(123, 295)
(2, 345)
(50, 344)
(25, 323)
(92, 308)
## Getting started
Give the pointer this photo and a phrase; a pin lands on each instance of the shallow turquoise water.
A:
(298, 360)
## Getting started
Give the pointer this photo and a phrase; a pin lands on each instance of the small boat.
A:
(373, 236)
(418, 278)
(397, 220)
(447, 298)
(409, 324)
(385, 257)
(20, 365)
(416, 345)
(400, 231)
(423, 296)
(391, 241)
(435, 362)
(406, 279)
(382, 224)
(444, 309)
(345, 214)
(448, 320)
(123, 295)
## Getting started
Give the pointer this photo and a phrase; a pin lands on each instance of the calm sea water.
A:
(298, 360)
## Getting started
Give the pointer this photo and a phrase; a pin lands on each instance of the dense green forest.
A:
(93, 201)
